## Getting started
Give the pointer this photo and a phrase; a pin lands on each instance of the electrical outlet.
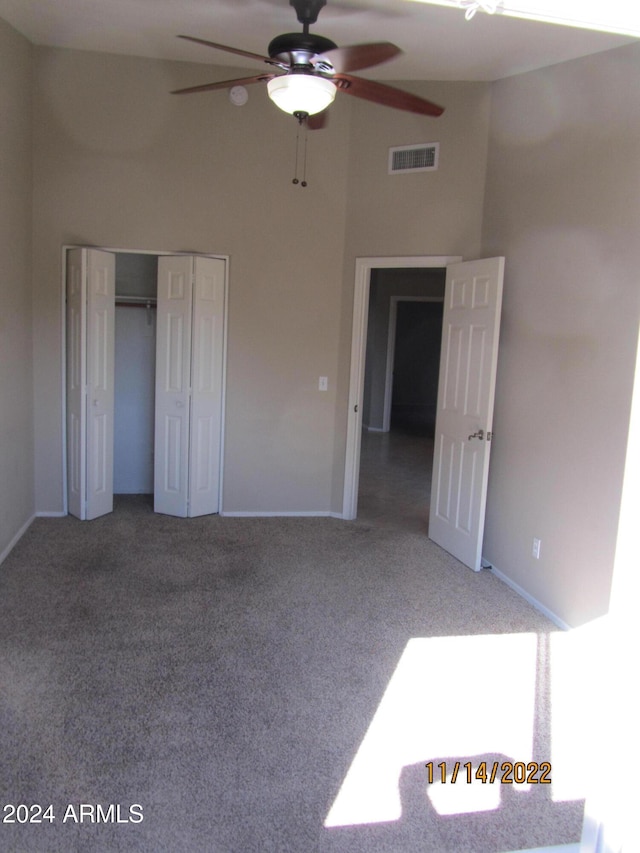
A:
(535, 550)
(323, 383)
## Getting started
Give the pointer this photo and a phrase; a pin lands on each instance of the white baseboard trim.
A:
(375, 429)
(51, 514)
(560, 848)
(283, 514)
(16, 539)
(533, 601)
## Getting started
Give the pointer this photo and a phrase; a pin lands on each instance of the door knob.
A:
(479, 434)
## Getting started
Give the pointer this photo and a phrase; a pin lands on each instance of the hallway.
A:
(395, 479)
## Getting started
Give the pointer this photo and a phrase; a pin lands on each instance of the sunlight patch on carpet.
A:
(463, 699)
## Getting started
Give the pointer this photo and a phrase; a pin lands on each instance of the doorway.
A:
(404, 331)
(413, 394)
(466, 389)
(368, 272)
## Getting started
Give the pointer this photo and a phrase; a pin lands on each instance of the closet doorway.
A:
(145, 370)
(136, 293)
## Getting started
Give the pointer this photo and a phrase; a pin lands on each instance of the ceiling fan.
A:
(310, 69)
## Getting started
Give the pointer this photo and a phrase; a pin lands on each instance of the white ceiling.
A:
(438, 43)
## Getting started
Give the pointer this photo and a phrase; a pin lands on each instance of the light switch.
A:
(323, 383)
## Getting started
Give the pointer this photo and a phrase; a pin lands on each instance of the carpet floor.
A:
(233, 685)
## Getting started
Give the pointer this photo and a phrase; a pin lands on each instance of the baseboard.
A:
(560, 848)
(533, 601)
(51, 514)
(282, 514)
(16, 539)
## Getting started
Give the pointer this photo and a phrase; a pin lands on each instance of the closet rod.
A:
(125, 303)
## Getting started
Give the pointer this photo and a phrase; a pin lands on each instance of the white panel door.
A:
(101, 278)
(464, 419)
(90, 400)
(173, 385)
(206, 385)
(76, 383)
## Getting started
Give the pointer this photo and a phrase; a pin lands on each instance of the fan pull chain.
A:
(304, 158)
(295, 177)
(295, 180)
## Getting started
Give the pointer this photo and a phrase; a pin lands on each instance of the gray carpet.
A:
(223, 672)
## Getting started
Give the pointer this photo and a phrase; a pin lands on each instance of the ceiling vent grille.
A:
(413, 158)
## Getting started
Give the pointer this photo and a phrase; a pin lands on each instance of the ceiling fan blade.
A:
(388, 96)
(235, 50)
(224, 84)
(358, 56)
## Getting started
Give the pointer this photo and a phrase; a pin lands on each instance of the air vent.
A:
(413, 158)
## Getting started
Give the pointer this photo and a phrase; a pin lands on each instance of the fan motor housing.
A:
(298, 48)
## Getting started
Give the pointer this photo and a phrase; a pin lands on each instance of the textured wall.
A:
(16, 397)
(563, 203)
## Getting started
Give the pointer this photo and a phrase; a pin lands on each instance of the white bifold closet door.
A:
(189, 383)
(189, 375)
(90, 397)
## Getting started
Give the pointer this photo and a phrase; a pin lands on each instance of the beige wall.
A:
(563, 206)
(121, 163)
(427, 213)
(16, 388)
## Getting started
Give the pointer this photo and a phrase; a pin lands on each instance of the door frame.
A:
(364, 268)
(391, 354)
(63, 321)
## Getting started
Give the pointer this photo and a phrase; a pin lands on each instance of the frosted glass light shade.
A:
(301, 93)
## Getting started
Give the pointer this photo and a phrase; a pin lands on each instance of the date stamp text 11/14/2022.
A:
(505, 772)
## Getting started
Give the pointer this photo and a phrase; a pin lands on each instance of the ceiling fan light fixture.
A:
(301, 93)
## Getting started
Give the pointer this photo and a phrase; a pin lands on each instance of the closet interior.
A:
(136, 286)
